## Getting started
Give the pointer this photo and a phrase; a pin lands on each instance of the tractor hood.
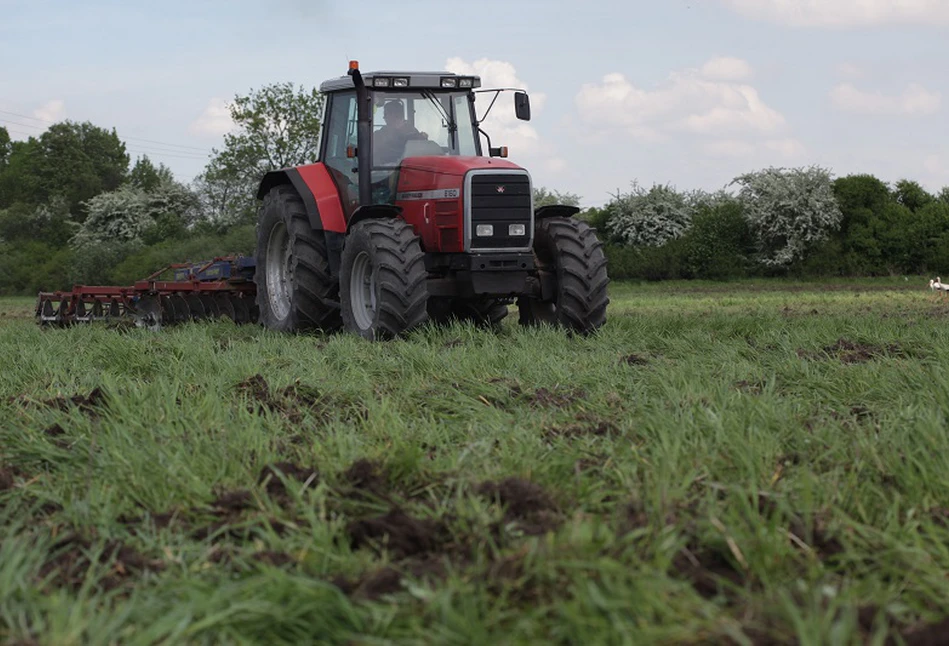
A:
(451, 165)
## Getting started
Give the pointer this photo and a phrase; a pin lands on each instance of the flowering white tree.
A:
(127, 213)
(649, 217)
(788, 211)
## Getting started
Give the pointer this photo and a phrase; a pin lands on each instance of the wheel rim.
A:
(279, 271)
(362, 291)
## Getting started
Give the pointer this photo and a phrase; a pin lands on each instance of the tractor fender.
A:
(555, 211)
(317, 190)
(374, 211)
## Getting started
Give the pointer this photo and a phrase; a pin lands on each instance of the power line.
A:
(151, 141)
(138, 149)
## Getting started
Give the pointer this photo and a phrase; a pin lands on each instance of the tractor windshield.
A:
(414, 124)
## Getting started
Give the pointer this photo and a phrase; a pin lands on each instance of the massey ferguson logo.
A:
(500, 189)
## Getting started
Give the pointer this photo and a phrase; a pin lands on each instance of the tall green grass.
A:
(762, 461)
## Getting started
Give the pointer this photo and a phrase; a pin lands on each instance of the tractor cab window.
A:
(339, 135)
(420, 124)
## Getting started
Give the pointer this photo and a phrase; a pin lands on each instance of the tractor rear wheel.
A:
(383, 289)
(295, 290)
(570, 250)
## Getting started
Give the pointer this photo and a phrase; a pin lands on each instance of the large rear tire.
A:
(570, 250)
(383, 290)
(295, 290)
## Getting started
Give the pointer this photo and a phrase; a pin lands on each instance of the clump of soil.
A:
(291, 401)
(92, 404)
(398, 533)
(275, 559)
(270, 477)
(525, 503)
(707, 570)
(849, 352)
(635, 360)
(388, 580)
(7, 480)
(72, 560)
(586, 426)
(555, 398)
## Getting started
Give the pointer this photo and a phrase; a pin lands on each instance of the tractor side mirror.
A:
(522, 106)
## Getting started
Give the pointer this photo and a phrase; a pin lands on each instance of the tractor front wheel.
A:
(570, 250)
(295, 290)
(383, 289)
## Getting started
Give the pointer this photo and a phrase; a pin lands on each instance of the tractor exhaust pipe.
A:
(363, 135)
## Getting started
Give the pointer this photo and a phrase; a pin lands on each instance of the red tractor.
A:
(403, 220)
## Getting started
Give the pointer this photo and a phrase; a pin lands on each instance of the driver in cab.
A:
(389, 140)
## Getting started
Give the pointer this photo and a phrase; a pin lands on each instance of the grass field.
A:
(744, 463)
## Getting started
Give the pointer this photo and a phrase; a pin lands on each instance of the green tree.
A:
(146, 176)
(5, 147)
(788, 211)
(275, 127)
(863, 200)
(78, 161)
(911, 195)
(545, 197)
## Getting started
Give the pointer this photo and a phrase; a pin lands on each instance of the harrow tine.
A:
(97, 311)
(115, 310)
(148, 313)
(62, 313)
(46, 313)
(81, 313)
(196, 306)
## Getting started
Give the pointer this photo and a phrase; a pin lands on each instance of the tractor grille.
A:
(500, 200)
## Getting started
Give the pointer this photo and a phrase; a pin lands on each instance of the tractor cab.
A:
(409, 114)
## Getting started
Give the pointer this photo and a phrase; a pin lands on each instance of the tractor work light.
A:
(400, 82)
(484, 230)
(516, 230)
(465, 82)
(380, 82)
(449, 82)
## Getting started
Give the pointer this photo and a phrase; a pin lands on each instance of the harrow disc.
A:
(196, 306)
(241, 311)
(148, 313)
(46, 315)
(182, 310)
(225, 306)
(211, 309)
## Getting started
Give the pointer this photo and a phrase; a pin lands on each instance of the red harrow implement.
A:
(219, 288)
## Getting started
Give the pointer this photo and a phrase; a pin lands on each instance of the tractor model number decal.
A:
(440, 194)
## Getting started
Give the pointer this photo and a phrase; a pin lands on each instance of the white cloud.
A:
(214, 121)
(53, 110)
(726, 68)
(844, 13)
(525, 143)
(686, 102)
(914, 100)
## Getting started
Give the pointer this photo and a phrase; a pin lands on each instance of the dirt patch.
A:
(750, 387)
(398, 533)
(821, 541)
(274, 476)
(525, 503)
(388, 580)
(293, 401)
(927, 634)
(92, 404)
(635, 360)
(275, 559)
(7, 480)
(850, 352)
(555, 398)
(709, 571)
(586, 426)
(73, 556)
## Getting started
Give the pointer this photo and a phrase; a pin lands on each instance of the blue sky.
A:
(687, 92)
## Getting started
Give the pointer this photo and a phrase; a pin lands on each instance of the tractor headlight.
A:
(516, 230)
(400, 82)
(449, 82)
(484, 230)
(465, 82)
(380, 82)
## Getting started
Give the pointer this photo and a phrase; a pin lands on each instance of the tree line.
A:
(776, 222)
(75, 209)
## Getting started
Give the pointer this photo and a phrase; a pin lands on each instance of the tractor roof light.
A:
(381, 81)
(448, 81)
(465, 82)
(400, 82)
